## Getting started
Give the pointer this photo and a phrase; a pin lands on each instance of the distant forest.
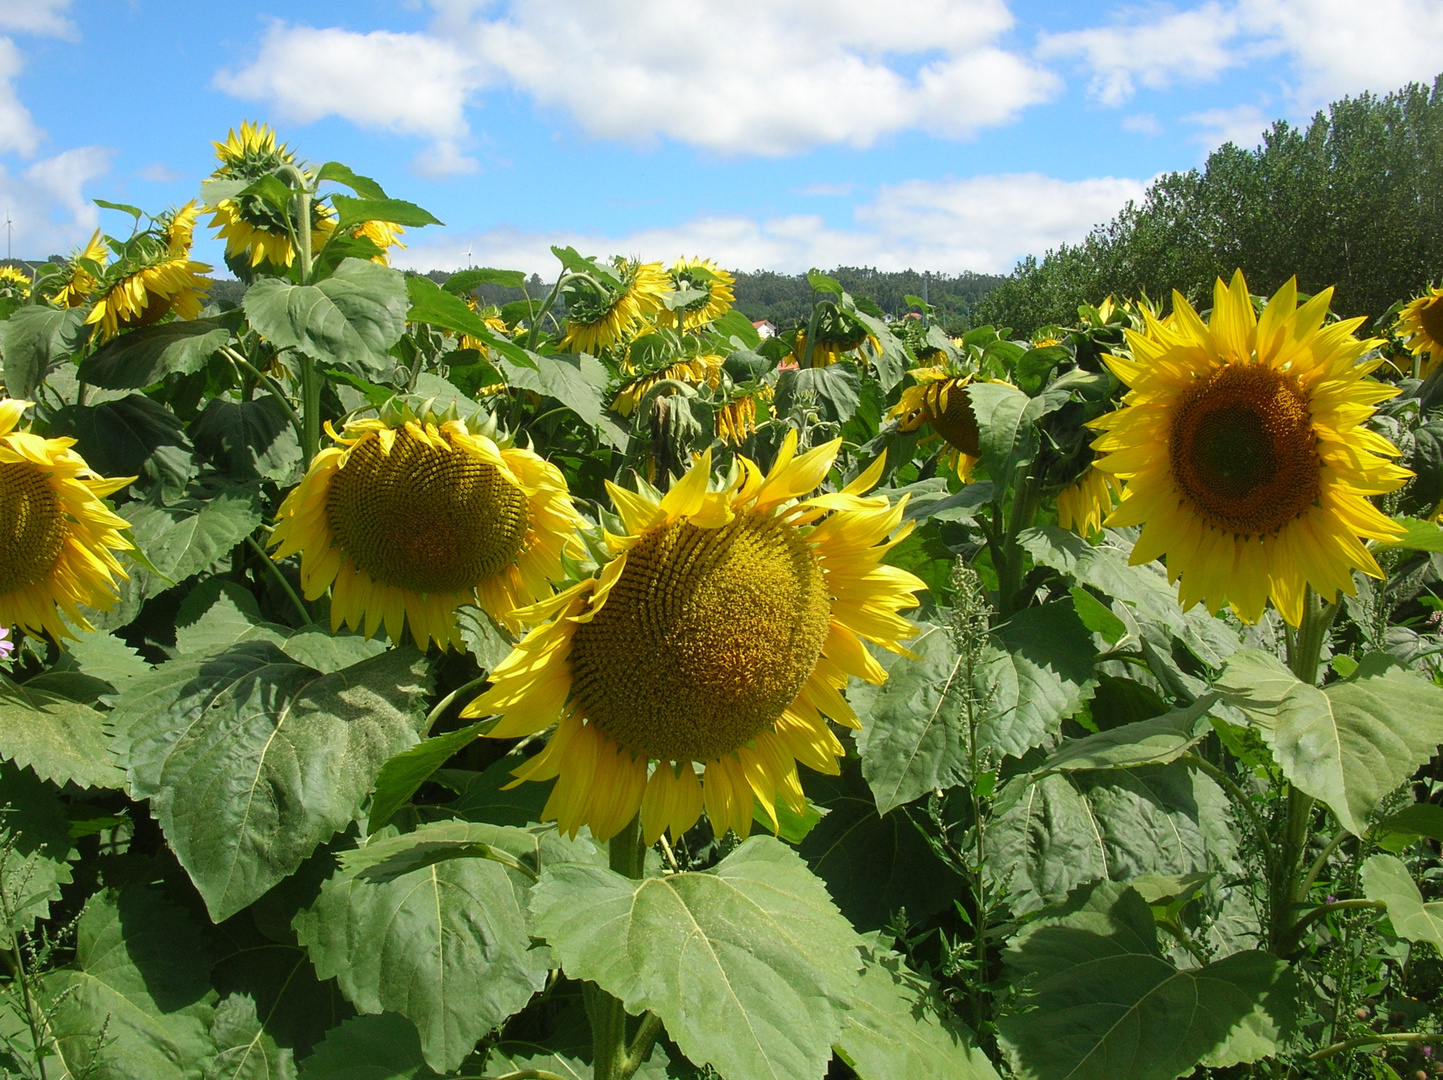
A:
(1355, 200)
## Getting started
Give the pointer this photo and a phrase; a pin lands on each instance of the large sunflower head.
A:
(254, 229)
(599, 315)
(407, 523)
(720, 634)
(1420, 324)
(80, 275)
(56, 537)
(938, 397)
(153, 277)
(1244, 452)
(700, 275)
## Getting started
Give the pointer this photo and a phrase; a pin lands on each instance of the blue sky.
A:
(946, 135)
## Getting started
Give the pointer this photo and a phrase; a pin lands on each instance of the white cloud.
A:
(756, 77)
(18, 133)
(47, 206)
(39, 17)
(443, 160)
(1142, 124)
(1242, 124)
(1178, 46)
(1341, 47)
(984, 224)
(411, 84)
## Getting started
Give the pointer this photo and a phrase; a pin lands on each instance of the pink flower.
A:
(6, 646)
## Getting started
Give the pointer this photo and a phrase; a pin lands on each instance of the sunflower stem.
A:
(613, 1058)
(285, 585)
(310, 410)
(1290, 883)
(271, 385)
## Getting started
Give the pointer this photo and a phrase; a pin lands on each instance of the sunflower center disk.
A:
(704, 640)
(423, 519)
(32, 527)
(958, 423)
(1432, 319)
(1243, 450)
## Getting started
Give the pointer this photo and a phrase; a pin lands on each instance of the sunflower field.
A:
(393, 686)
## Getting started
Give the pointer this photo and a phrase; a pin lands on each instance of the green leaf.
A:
(383, 1047)
(1421, 535)
(1052, 833)
(577, 381)
(791, 826)
(217, 614)
(444, 944)
(916, 738)
(145, 356)
(1387, 879)
(244, 1049)
(193, 535)
(438, 307)
(37, 849)
(249, 440)
(140, 978)
(33, 340)
(734, 324)
(1420, 819)
(316, 647)
(251, 759)
(125, 208)
(836, 388)
(1158, 741)
(821, 282)
(484, 640)
(483, 796)
(130, 437)
(1106, 1004)
(1007, 435)
(872, 864)
(499, 1063)
(58, 739)
(901, 1028)
(408, 770)
(1348, 744)
(351, 318)
(396, 211)
(1096, 616)
(467, 281)
(106, 657)
(749, 965)
(363, 186)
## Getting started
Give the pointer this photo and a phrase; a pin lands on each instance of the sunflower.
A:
(1420, 324)
(154, 277)
(493, 322)
(715, 285)
(738, 417)
(939, 398)
(409, 522)
(599, 315)
(14, 280)
(74, 283)
(721, 633)
(1083, 504)
(704, 369)
(383, 234)
(56, 536)
(1242, 445)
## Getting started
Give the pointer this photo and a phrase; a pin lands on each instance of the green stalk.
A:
(271, 385)
(1288, 883)
(269, 564)
(614, 1056)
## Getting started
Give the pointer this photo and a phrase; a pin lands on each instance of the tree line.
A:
(1354, 199)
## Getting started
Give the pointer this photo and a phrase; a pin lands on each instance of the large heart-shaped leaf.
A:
(56, 738)
(33, 340)
(252, 759)
(351, 318)
(1103, 1003)
(439, 937)
(1348, 744)
(141, 357)
(749, 965)
(136, 1001)
(577, 381)
(1387, 879)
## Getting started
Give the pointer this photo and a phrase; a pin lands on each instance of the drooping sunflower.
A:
(1420, 324)
(154, 277)
(738, 417)
(384, 235)
(56, 536)
(14, 281)
(721, 634)
(598, 315)
(939, 398)
(255, 230)
(1242, 447)
(493, 322)
(76, 281)
(406, 523)
(703, 369)
(702, 275)
(1084, 504)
